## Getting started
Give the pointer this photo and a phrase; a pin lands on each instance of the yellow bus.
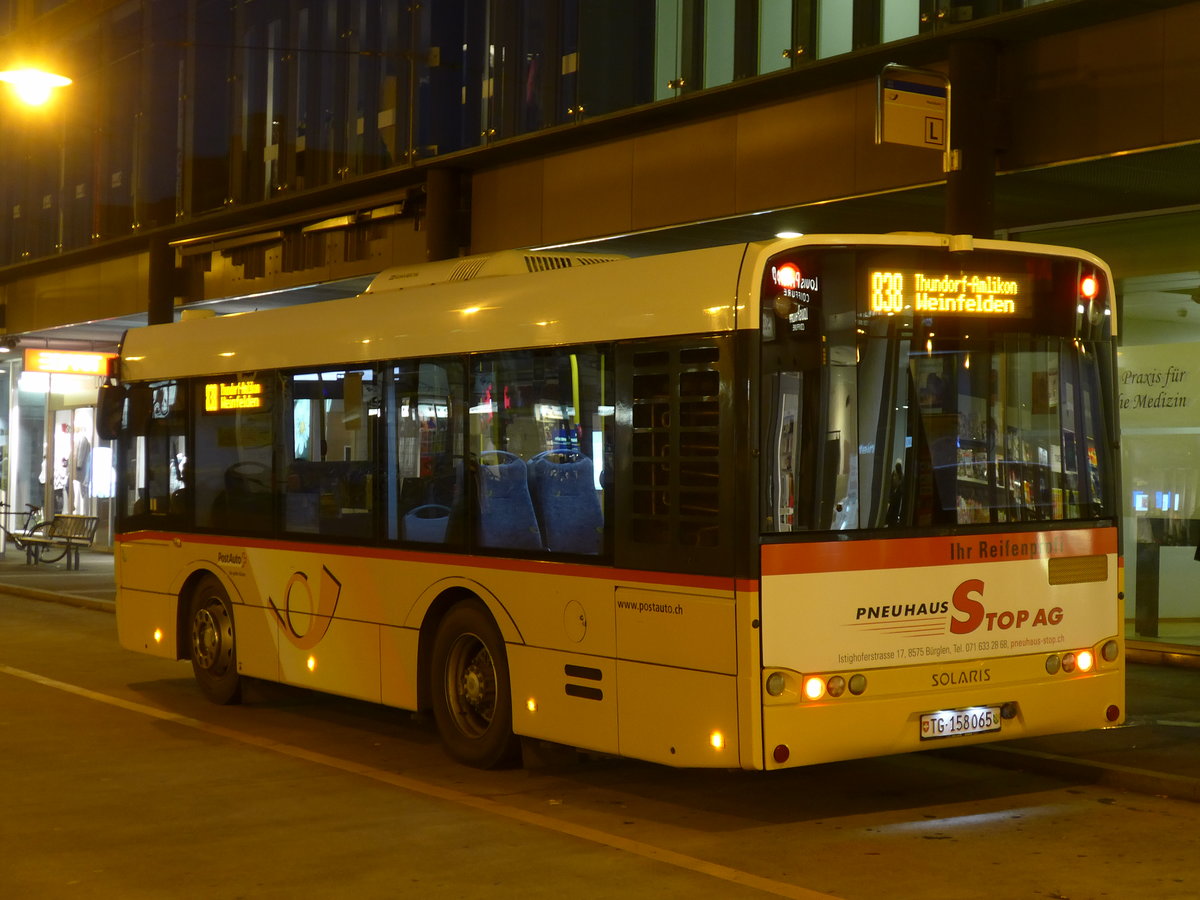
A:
(754, 506)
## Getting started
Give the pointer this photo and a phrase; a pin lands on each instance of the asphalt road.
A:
(119, 780)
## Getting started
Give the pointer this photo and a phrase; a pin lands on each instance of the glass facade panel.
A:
(668, 48)
(835, 28)
(719, 27)
(901, 19)
(1161, 465)
(774, 35)
(30, 457)
(188, 110)
(121, 122)
(1158, 369)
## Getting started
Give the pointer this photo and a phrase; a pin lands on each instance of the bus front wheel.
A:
(214, 650)
(471, 695)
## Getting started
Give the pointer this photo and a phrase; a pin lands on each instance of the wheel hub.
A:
(206, 641)
(208, 638)
(473, 685)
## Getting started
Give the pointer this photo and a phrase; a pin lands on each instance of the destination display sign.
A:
(932, 293)
(233, 396)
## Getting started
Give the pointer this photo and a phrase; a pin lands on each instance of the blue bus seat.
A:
(506, 516)
(426, 523)
(568, 507)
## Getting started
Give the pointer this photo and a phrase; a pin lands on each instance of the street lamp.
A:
(33, 86)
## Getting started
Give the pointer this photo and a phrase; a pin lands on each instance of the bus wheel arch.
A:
(210, 637)
(432, 606)
(185, 592)
(465, 681)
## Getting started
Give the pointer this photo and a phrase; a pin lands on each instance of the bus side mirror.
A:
(110, 404)
(141, 402)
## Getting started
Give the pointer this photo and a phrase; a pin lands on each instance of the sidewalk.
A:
(1156, 752)
(92, 586)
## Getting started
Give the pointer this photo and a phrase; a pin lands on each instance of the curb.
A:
(56, 597)
(1157, 656)
(1127, 778)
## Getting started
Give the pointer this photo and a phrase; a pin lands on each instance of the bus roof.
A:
(593, 299)
(679, 293)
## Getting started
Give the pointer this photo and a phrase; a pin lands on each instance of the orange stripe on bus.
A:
(532, 566)
(907, 553)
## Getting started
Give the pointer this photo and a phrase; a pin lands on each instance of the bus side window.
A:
(675, 484)
(541, 437)
(154, 455)
(426, 452)
(233, 469)
(329, 450)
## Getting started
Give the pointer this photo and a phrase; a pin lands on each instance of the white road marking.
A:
(482, 804)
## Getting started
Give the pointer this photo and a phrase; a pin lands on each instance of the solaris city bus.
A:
(753, 506)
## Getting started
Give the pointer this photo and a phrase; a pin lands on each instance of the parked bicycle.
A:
(31, 524)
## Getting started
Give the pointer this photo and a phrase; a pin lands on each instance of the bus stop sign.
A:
(913, 107)
(914, 114)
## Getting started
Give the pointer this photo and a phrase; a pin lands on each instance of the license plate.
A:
(953, 722)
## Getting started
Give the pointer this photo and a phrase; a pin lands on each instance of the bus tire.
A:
(472, 700)
(213, 644)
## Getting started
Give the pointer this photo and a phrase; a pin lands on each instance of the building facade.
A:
(235, 154)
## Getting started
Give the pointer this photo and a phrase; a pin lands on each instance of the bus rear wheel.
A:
(213, 645)
(471, 696)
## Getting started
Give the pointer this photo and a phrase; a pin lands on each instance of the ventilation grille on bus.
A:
(474, 267)
(592, 260)
(502, 262)
(546, 263)
(468, 268)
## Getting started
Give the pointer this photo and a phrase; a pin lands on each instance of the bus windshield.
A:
(954, 390)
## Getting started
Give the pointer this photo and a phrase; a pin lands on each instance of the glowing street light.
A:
(33, 86)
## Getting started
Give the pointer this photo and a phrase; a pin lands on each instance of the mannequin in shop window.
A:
(83, 472)
(62, 459)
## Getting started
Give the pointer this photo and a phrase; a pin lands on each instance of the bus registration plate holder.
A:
(954, 722)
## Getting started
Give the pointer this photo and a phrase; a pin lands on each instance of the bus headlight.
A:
(814, 688)
(776, 684)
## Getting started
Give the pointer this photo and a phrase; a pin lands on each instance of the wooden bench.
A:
(66, 532)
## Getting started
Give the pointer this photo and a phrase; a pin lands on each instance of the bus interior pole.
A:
(970, 188)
